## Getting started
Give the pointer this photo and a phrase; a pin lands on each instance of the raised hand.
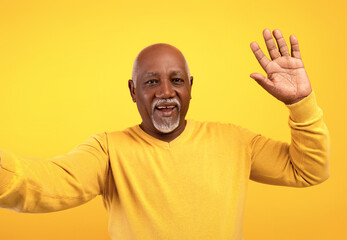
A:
(286, 79)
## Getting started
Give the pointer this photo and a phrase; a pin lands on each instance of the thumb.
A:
(263, 81)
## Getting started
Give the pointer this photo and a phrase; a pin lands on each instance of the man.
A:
(172, 178)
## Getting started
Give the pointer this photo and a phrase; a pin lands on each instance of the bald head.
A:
(153, 51)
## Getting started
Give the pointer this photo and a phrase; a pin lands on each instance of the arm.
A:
(46, 185)
(305, 161)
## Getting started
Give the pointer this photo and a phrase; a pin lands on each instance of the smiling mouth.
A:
(165, 111)
(164, 108)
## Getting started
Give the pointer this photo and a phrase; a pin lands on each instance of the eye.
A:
(178, 80)
(151, 82)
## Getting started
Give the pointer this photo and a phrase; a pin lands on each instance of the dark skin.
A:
(169, 79)
(286, 78)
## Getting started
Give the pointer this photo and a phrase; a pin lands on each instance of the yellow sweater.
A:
(191, 188)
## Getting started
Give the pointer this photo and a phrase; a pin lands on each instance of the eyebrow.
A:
(151, 74)
(176, 73)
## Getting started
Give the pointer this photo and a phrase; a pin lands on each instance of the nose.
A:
(165, 90)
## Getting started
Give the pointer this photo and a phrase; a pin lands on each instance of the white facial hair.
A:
(168, 125)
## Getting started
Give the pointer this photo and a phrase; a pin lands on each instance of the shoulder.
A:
(126, 136)
(128, 132)
(95, 141)
(213, 126)
(221, 129)
(105, 140)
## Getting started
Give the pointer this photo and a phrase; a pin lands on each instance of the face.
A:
(162, 90)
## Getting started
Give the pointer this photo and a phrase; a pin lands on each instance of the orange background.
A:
(64, 67)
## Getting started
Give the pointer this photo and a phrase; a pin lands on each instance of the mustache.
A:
(166, 100)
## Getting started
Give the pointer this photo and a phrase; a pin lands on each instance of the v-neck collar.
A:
(167, 145)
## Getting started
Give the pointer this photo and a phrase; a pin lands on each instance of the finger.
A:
(263, 81)
(282, 45)
(262, 59)
(270, 44)
(295, 47)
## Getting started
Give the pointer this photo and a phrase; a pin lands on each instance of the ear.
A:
(191, 84)
(132, 89)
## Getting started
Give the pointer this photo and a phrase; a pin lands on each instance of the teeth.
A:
(162, 107)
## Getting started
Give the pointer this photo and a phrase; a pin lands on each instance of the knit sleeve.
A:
(46, 185)
(303, 162)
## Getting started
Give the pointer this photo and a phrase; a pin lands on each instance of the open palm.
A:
(286, 79)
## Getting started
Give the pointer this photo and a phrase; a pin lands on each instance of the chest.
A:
(204, 170)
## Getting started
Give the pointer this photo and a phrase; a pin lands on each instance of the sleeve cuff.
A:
(304, 110)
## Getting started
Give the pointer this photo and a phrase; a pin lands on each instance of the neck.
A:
(166, 137)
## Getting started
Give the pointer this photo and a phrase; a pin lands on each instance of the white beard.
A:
(167, 125)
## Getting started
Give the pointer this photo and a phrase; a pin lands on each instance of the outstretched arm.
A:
(46, 185)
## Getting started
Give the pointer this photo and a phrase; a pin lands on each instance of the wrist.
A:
(304, 109)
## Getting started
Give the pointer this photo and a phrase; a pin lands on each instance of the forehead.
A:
(161, 60)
